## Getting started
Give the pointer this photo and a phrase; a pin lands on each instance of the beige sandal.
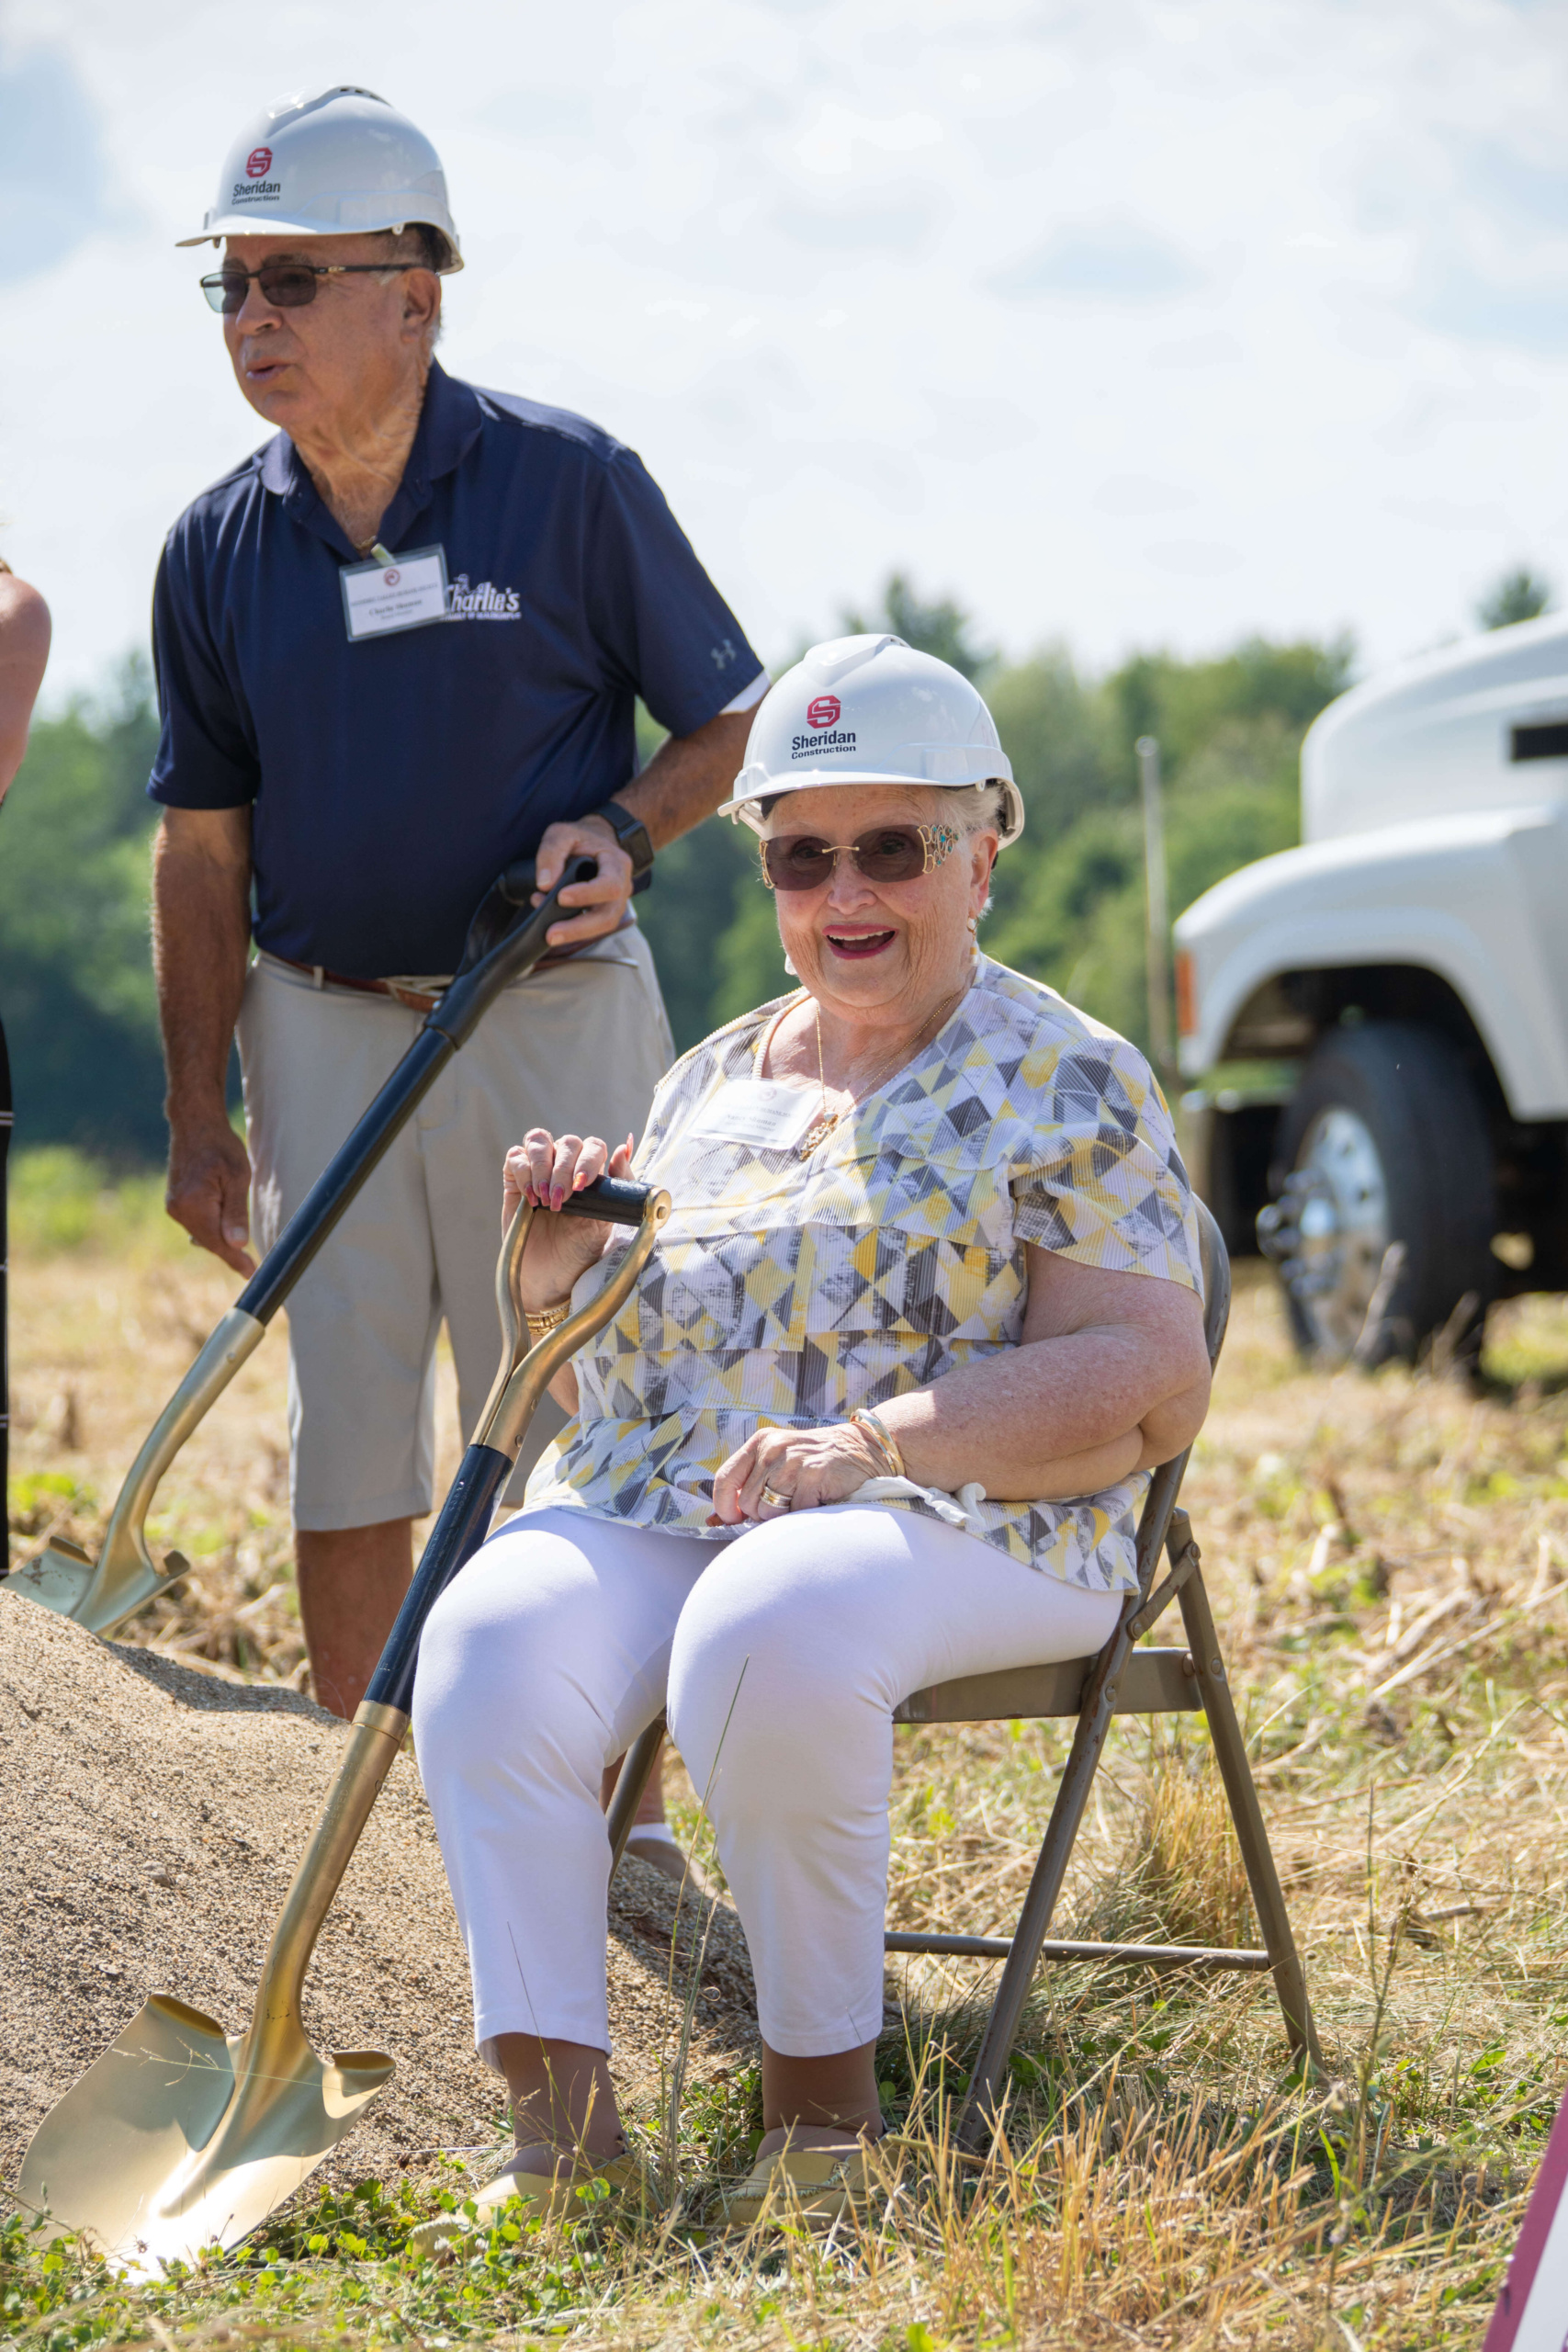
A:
(825, 2183)
(549, 2194)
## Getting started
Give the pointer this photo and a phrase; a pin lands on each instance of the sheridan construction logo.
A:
(485, 603)
(827, 735)
(257, 186)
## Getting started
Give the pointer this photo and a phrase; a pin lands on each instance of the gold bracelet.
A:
(550, 1319)
(884, 1436)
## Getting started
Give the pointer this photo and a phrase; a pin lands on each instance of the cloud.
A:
(1141, 495)
(1195, 558)
(828, 147)
(51, 176)
(1115, 259)
(1499, 305)
(900, 217)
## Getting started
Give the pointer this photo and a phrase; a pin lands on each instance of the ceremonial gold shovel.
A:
(181, 2136)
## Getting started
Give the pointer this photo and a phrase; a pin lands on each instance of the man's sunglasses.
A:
(888, 853)
(286, 285)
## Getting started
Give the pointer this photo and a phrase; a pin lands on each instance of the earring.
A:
(974, 924)
(789, 967)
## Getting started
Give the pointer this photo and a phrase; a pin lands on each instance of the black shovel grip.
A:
(610, 1199)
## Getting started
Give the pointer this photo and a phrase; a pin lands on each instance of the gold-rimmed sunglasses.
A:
(885, 854)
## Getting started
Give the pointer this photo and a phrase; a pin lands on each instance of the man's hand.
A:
(685, 782)
(209, 1191)
(605, 900)
(201, 930)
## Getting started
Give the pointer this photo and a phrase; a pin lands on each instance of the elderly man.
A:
(397, 647)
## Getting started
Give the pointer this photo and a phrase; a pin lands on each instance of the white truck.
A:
(1375, 1025)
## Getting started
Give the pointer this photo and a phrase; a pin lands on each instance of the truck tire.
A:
(1386, 1140)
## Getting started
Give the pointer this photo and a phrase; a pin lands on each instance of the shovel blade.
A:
(58, 1578)
(161, 2151)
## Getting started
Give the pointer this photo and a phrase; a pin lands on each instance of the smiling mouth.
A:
(856, 945)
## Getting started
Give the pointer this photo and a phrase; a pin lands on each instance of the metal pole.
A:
(1157, 903)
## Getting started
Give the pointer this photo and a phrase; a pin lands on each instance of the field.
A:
(1388, 1560)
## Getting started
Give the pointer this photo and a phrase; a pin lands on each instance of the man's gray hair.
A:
(422, 242)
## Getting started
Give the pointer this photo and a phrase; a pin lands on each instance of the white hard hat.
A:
(340, 163)
(872, 710)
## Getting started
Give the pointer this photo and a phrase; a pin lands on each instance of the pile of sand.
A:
(152, 1820)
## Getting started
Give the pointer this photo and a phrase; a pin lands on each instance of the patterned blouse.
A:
(788, 1290)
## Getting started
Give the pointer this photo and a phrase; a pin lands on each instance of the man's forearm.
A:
(688, 776)
(201, 930)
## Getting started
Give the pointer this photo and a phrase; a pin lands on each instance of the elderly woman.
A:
(879, 1412)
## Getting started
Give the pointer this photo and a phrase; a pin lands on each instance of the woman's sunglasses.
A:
(888, 853)
(286, 285)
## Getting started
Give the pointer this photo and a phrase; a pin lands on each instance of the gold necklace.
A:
(823, 1125)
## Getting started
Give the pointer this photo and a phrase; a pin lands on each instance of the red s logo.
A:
(258, 163)
(391, 578)
(823, 711)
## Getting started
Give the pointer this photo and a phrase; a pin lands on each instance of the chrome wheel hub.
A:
(1328, 1231)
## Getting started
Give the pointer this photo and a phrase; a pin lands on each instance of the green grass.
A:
(60, 1199)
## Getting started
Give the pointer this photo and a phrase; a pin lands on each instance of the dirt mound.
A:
(152, 1820)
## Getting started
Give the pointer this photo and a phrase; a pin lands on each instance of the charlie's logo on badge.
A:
(823, 711)
(391, 578)
(258, 163)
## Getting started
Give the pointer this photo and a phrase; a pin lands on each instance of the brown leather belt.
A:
(420, 999)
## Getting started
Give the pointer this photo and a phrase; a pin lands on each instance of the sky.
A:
(1127, 323)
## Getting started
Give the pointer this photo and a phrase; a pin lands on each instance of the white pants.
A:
(578, 1046)
(781, 1656)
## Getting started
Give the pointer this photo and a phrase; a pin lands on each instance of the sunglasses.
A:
(888, 853)
(286, 285)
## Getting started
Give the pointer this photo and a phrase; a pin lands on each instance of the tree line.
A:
(75, 981)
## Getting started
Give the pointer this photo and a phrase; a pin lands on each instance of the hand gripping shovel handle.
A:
(506, 939)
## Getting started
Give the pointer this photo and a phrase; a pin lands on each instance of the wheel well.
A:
(1284, 1020)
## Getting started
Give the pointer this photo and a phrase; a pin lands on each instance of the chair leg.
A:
(981, 2108)
(1229, 1754)
(635, 1776)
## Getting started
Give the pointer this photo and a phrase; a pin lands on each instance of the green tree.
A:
(1518, 595)
(75, 975)
(942, 628)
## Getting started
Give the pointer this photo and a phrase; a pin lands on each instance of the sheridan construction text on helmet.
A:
(340, 163)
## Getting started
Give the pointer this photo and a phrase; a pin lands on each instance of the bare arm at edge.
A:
(685, 782)
(201, 937)
(24, 652)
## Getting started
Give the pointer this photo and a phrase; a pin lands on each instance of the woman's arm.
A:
(1111, 1376)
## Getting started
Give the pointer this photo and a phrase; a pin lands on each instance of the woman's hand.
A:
(546, 1170)
(805, 1467)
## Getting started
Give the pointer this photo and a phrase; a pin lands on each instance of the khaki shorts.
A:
(578, 1047)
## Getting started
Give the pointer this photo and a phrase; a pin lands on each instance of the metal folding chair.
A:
(1124, 1679)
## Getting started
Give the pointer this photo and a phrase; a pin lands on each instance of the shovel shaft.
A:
(456, 1535)
(447, 1028)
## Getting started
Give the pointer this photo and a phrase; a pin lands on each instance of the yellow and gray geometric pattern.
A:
(788, 1291)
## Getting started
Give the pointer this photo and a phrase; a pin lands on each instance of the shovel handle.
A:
(610, 1199)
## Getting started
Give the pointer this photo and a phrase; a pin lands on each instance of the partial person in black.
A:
(24, 652)
(398, 647)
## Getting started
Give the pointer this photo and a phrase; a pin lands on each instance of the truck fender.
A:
(1475, 898)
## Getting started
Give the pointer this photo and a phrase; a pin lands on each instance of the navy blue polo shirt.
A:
(392, 778)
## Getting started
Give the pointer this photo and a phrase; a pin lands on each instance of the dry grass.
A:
(1388, 1561)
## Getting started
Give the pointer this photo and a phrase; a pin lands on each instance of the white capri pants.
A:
(780, 1656)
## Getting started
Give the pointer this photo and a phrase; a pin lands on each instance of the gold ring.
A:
(780, 1502)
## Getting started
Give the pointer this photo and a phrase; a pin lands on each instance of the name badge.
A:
(408, 593)
(756, 1110)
